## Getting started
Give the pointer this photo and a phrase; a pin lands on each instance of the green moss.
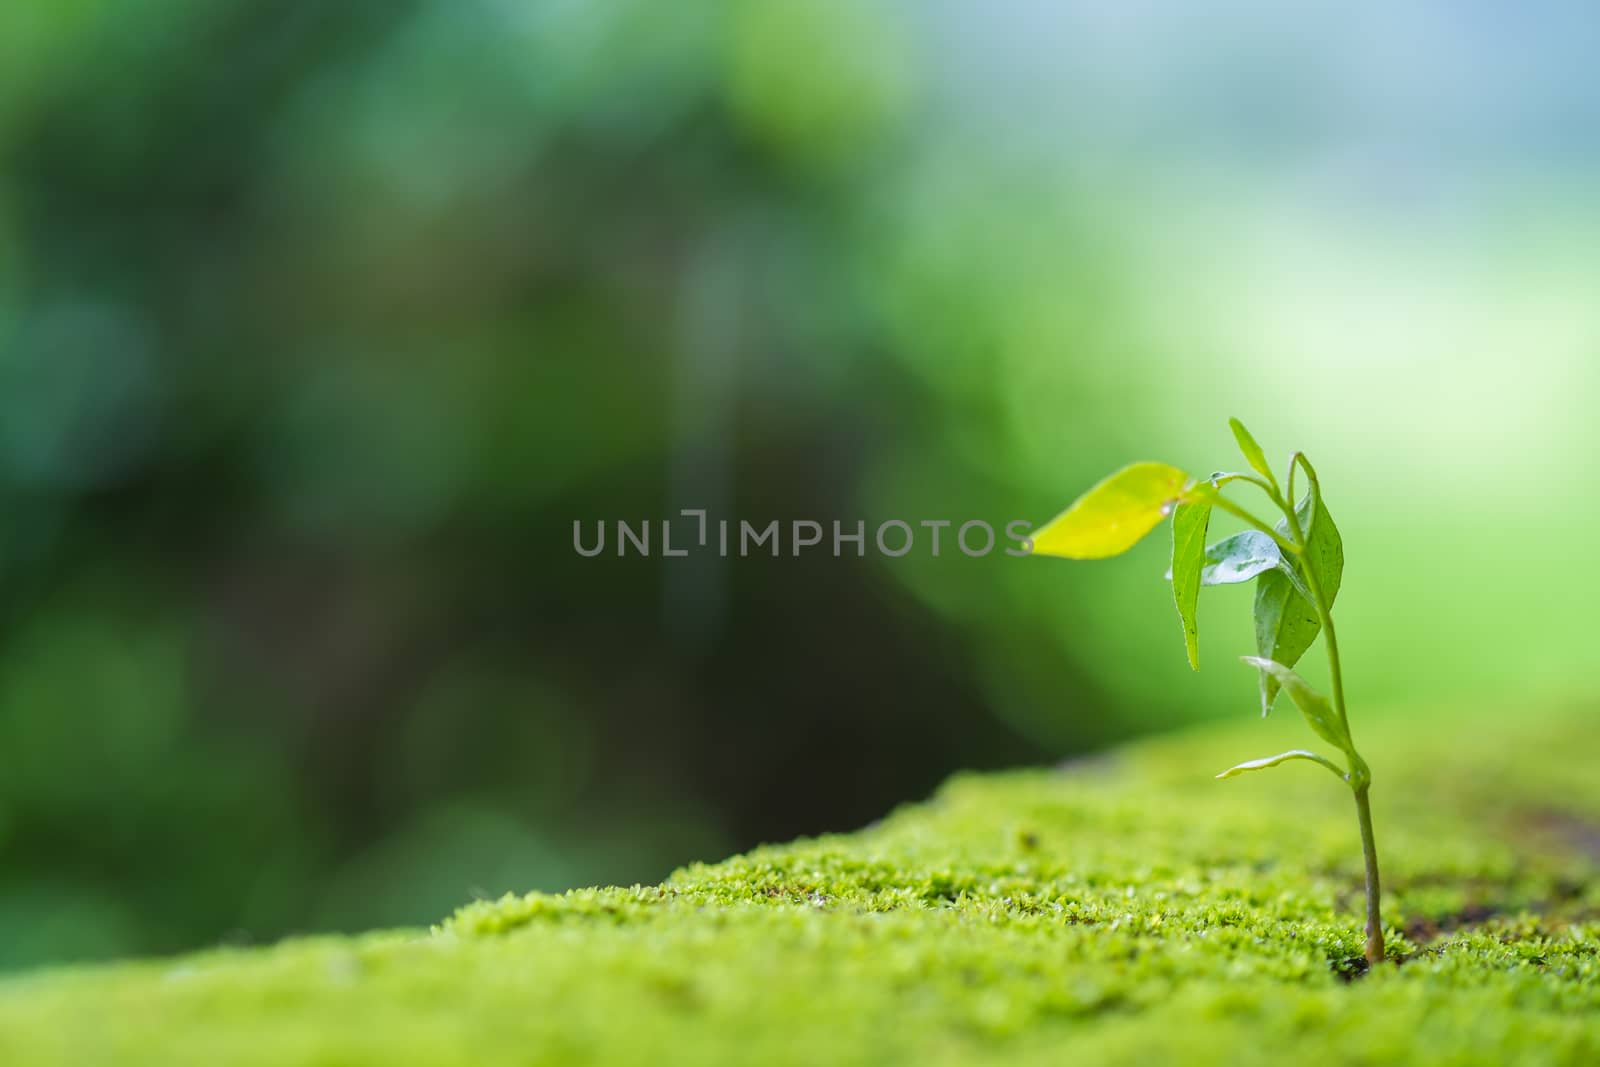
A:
(1127, 909)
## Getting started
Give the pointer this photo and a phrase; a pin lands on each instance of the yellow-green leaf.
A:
(1111, 518)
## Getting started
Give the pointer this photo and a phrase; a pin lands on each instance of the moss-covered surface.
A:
(1127, 909)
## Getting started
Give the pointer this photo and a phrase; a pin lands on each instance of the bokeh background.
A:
(321, 323)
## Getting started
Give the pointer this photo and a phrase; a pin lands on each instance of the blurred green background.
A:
(321, 323)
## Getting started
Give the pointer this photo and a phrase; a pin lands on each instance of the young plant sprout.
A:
(1296, 564)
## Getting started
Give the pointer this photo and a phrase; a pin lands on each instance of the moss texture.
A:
(1121, 910)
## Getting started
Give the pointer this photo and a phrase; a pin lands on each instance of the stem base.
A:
(1369, 849)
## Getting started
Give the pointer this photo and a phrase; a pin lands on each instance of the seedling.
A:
(1296, 563)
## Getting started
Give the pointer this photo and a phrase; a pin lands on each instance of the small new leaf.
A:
(1189, 524)
(1282, 757)
(1252, 451)
(1319, 714)
(1240, 558)
(1111, 518)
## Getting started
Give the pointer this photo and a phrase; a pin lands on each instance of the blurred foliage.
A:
(320, 324)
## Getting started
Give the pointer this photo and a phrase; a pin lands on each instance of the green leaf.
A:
(1324, 556)
(1286, 622)
(1320, 716)
(1240, 558)
(1111, 518)
(1252, 451)
(1282, 757)
(1189, 524)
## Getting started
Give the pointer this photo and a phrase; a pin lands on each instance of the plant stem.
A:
(1370, 848)
(1235, 510)
(1360, 776)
